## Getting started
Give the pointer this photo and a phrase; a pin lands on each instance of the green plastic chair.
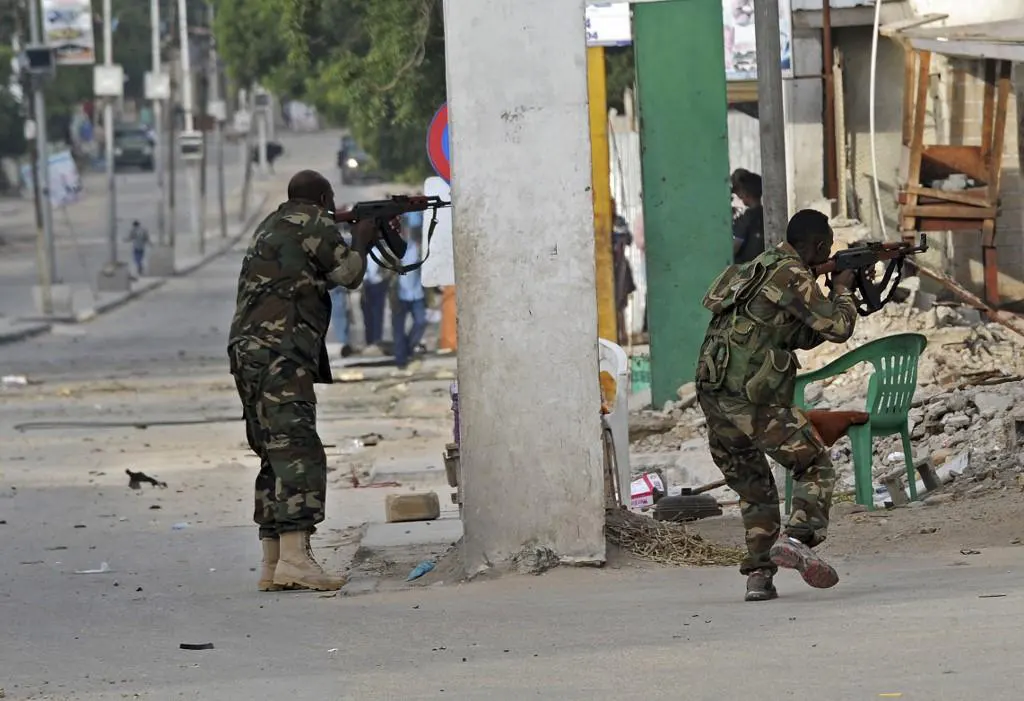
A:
(890, 391)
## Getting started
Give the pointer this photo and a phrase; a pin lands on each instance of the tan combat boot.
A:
(297, 567)
(271, 553)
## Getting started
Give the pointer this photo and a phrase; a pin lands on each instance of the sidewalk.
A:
(92, 303)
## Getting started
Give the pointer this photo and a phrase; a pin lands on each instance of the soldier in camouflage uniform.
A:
(763, 311)
(277, 352)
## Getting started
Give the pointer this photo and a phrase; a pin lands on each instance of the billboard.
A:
(741, 45)
(608, 24)
(67, 28)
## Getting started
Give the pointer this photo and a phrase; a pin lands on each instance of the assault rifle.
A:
(862, 258)
(384, 214)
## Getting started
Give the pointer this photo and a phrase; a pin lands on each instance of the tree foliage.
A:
(375, 65)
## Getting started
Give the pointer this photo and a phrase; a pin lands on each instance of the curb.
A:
(30, 330)
(119, 301)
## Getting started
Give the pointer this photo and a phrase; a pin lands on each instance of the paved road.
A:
(81, 231)
(939, 627)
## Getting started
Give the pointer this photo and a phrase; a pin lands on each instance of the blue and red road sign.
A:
(438, 150)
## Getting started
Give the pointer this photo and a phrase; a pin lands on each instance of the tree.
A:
(376, 65)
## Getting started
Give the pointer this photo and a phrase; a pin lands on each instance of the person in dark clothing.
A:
(748, 227)
(623, 271)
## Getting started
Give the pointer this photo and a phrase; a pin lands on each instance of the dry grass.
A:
(664, 542)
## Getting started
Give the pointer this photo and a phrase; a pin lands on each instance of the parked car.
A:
(133, 147)
(353, 161)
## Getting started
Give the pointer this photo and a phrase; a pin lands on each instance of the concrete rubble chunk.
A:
(400, 508)
(990, 404)
(687, 395)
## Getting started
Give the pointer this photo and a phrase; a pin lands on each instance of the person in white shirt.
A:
(374, 299)
(409, 300)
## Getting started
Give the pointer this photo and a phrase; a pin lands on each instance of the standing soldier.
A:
(277, 352)
(763, 312)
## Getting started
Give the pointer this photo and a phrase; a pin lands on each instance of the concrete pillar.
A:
(805, 139)
(525, 280)
(679, 47)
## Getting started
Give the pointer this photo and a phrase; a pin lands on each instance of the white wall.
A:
(524, 266)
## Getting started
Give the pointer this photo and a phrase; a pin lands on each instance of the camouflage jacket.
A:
(296, 256)
(763, 311)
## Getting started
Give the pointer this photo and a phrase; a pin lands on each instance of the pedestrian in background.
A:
(408, 300)
(339, 319)
(373, 303)
(138, 236)
(748, 227)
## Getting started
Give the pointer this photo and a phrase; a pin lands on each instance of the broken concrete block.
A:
(687, 395)
(412, 507)
(991, 404)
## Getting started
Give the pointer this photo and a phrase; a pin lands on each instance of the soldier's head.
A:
(310, 186)
(810, 234)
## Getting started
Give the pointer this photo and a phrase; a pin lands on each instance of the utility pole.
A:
(41, 176)
(188, 105)
(108, 126)
(246, 144)
(260, 110)
(172, 149)
(218, 110)
(160, 159)
(771, 119)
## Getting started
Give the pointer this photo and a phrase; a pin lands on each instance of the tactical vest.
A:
(744, 355)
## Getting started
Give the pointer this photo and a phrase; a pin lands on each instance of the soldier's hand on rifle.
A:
(843, 281)
(364, 234)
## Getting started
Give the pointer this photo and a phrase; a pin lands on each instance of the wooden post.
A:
(597, 88)
(448, 340)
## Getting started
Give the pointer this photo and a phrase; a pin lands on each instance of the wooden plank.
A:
(909, 63)
(956, 159)
(999, 131)
(916, 138)
(988, 106)
(990, 262)
(955, 225)
(948, 196)
(950, 211)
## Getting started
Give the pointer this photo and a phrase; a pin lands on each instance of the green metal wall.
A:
(684, 137)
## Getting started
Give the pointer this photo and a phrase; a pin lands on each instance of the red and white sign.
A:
(642, 490)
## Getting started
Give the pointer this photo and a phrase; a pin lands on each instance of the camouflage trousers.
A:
(279, 406)
(740, 434)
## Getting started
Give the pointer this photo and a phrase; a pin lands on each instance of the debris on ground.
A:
(102, 569)
(420, 570)
(196, 646)
(664, 542)
(137, 479)
(14, 381)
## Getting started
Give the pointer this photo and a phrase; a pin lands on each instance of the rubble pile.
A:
(970, 378)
